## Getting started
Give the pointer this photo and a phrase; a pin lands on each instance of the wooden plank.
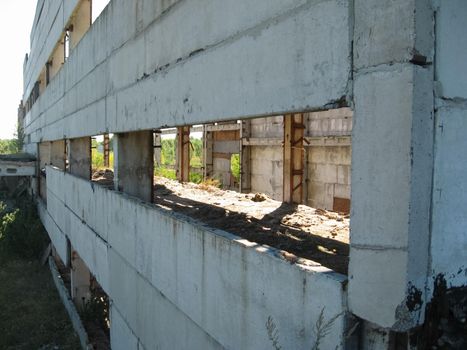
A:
(293, 158)
(223, 127)
(245, 157)
(227, 135)
(183, 153)
(273, 141)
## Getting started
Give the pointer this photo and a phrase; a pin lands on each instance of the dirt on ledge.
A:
(298, 231)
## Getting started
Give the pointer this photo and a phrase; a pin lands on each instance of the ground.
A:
(31, 313)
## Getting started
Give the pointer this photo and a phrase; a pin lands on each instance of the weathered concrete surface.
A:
(329, 170)
(392, 159)
(134, 164)
(451, 49)
(79, 155)
(448, 234)
(49, 21)
(220, 289)
(114, 90)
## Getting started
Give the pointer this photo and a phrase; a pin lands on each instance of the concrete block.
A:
(390, 189)
(256, 30)
(451, 49)
(343, 174)
(388, 33)
(377, 288)
(377, 174)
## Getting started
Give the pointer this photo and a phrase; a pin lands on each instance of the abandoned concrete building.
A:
(347, 223)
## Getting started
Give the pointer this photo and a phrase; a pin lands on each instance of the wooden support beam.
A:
(293, 158)
(208, 162)
(183, 153)
(245, 157)
(106, 150)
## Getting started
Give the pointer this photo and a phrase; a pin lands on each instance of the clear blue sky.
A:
(16, 17)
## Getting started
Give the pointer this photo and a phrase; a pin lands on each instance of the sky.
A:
(16, 17)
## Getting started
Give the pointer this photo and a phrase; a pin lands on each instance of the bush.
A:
(21, 231)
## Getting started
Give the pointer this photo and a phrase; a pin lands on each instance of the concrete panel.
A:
(46, 32)
(57, 237)
(257, 52)
(392, 155)
(448, 236)
(121, 336)
(393, 32)
(180, 269)
(267, 170)
(451, 49)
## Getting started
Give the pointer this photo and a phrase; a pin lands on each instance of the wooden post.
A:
(293, 158)
(183, 153)
(106, 151)
(245, 157)
(207, 153)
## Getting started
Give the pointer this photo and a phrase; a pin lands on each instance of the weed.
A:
(21, 232)
(323, 328)
(273, 333)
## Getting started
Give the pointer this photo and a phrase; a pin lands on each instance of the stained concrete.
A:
(240, 45)
(178, 267)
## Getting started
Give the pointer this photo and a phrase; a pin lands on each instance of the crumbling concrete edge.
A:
(69, 306)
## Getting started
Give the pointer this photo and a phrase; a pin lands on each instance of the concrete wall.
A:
(392, 145)
(333, 122)
(176, 283)
(329, 169)
(448, 236)
(49, 22)
(189, 76)
(267, 166)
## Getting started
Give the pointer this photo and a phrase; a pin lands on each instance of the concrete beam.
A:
(134, 164)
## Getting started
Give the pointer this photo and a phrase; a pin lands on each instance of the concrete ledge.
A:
(70, 307)
(222, 289)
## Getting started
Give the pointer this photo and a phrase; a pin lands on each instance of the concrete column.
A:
(80, 281)
(392, 161)
(58, 154)
(80, 157)
(134, 164)
(157, 147)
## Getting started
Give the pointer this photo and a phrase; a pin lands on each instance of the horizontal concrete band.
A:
(222, 288)
(251, 61)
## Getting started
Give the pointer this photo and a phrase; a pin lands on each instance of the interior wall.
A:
(329, 177)
(267, 165)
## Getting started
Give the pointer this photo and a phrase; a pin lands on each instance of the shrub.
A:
(21, 231)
